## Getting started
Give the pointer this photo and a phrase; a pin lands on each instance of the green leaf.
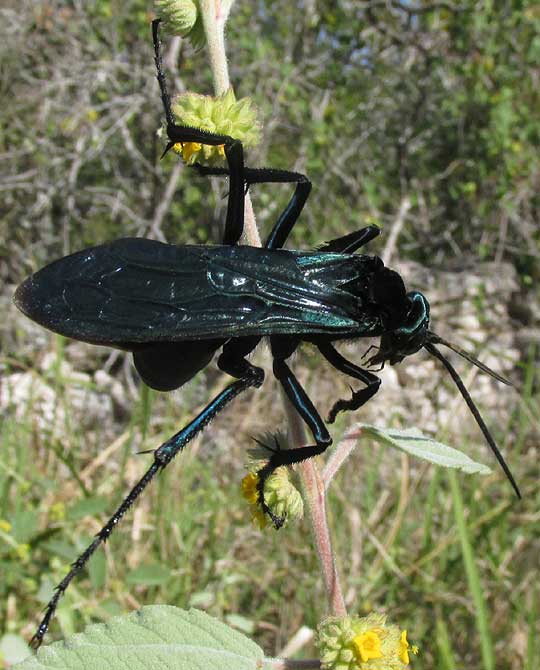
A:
(154, 638)
(413, 442)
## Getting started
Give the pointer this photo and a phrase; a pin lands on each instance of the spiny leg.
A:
(234, 152)
(359, 398)
(162, 81)
(238, 174)
(283, 226)
(282, 348)
(290, 214)
(348, 244)
(232, 362)
(163, 455)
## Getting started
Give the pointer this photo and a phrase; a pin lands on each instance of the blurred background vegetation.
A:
(421, 117)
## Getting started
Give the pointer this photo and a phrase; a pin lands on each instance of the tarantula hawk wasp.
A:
(174, 306)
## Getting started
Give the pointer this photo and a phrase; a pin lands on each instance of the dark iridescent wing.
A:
(137, 290)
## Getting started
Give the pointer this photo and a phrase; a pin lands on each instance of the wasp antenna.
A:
(461, 386)
(435, 339)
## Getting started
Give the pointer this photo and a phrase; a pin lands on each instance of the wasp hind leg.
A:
(249, 376)
(282, 348)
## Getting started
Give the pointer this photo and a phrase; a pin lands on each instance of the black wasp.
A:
(174, 306)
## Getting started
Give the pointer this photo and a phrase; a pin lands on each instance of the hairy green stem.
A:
(315, 495)
(214, 16)
(291, 664)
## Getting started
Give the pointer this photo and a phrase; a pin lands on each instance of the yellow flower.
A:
(367, 645)
(281, 496)
(403, 650)
(249, 488)
(362, 643)
(187, 149)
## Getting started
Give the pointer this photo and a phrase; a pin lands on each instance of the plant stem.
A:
(316, 505)
(214, 27)
(214, 15)
(291, 664)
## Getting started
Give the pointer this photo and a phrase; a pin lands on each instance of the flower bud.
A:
(222, 115)
(183, 18)
(281, 496)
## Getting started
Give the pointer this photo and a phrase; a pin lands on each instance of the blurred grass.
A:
(453, 561)
(473, 576)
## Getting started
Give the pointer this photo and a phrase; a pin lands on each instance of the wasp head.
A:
(405, 319)
(408, 333)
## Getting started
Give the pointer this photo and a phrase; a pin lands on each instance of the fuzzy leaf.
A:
(157, 637)
(413, 442)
